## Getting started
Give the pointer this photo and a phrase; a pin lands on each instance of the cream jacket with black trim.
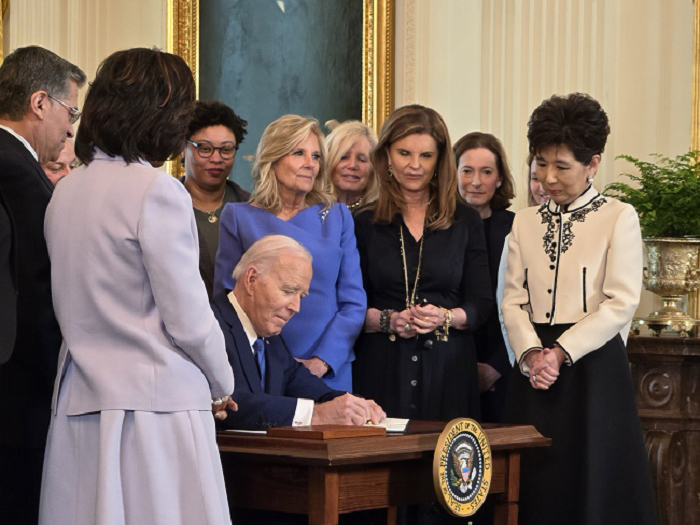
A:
(582, 266)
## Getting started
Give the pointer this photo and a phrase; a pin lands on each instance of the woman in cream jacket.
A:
(573, 282)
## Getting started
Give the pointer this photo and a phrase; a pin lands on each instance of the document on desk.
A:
(392, 424)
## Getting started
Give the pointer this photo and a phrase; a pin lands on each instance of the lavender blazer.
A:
(128, 296)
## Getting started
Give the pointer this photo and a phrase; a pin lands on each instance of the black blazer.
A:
(286, 381)
(29, 335)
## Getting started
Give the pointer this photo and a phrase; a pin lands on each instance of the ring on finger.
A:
(407, 327)
(534, 378)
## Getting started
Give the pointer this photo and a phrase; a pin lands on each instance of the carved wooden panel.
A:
(666, 373)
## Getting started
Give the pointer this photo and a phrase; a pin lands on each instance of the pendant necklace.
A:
(212, 218)
(411, 297)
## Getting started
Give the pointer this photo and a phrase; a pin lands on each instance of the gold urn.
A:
(672, 271)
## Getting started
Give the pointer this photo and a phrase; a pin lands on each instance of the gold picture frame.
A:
(377, 55)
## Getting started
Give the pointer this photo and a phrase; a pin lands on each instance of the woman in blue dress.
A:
(291, 197)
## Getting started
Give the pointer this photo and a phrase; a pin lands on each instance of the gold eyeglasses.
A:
(73, 112)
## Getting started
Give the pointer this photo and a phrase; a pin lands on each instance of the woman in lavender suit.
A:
(143, 363)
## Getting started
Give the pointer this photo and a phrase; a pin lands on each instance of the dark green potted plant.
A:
(666, 195)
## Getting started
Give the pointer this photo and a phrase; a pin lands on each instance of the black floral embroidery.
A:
(567, 235)
(548, 245)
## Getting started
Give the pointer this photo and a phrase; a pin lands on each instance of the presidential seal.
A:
(462, 467)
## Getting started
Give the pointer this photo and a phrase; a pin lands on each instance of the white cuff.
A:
(303, 413)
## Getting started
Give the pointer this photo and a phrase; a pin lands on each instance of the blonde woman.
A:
(291, 197)
(352, 175)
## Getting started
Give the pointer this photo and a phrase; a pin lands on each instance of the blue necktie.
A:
(259, 347)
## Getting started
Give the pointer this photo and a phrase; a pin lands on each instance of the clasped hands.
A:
(544, 366)
(418, 319)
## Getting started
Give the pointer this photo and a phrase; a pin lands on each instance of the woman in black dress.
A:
(486, 184)
(425, 271)
(572, 285)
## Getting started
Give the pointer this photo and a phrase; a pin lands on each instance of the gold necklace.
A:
(411, 299)
(357, 204)
(212, 214)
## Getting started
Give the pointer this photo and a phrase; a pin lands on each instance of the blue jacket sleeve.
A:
(230, 251)
(335, 347)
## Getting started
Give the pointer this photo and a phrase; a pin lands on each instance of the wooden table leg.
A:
(391, 516)
(506, 510)
(323, 496)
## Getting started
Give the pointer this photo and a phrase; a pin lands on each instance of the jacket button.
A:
(551, 267)
(414, 382)
(414, 358)
(547, 315)
(428, 344)
(549, 291)
(554, 245)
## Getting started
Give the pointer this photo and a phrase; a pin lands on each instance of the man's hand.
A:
(316, 366)
(219, 409)
(347, 410)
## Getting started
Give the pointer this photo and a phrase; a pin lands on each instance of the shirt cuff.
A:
(303, 413)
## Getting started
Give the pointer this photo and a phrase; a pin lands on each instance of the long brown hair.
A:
(411, 120)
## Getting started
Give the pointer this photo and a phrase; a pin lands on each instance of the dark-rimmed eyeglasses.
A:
(73, 112)
(206, 149)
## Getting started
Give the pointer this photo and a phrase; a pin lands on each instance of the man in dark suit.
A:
(272, 389)
(38, 95)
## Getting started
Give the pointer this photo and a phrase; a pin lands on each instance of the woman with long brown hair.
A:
(425, 271)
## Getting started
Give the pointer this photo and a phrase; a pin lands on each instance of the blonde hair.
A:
(266, 251)
(279, 139)
(339, 142)
(411, 120)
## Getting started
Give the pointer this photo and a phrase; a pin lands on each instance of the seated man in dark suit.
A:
(271, 279)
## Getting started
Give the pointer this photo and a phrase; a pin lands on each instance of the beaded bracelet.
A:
(385, 320)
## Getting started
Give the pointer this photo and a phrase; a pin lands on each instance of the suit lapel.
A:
(245, 352)
(11, 141)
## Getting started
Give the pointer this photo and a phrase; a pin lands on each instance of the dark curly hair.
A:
(506, 191)
(138, 106)
(208, 114)
(576, 121)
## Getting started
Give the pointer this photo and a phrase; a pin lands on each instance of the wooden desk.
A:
(326, 478)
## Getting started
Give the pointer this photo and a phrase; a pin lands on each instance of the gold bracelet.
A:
(443, 333)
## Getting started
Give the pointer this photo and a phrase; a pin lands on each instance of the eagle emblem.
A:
(463, 467)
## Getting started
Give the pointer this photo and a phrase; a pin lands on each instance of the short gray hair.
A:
(30, 69)
(268, 250)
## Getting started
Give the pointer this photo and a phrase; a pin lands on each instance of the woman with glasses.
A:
(292, 197)
(213, 137)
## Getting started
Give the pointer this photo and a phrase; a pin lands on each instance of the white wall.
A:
(486, 64)
(86, 31)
